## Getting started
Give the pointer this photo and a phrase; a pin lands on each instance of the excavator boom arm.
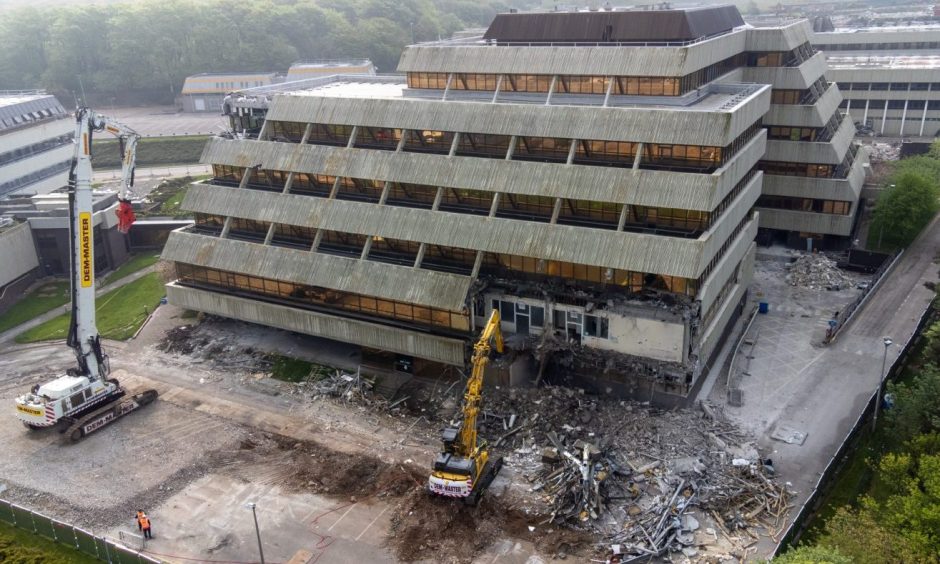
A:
(473, 395)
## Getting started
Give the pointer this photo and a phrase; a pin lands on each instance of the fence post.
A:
(55, 536)
(12, 513)
(107, 550)
(32, 517)
(75, 538)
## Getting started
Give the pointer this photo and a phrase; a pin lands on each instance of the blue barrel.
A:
(763, 307)
(163, 300)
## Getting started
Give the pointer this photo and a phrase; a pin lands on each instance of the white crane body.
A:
(88, 384)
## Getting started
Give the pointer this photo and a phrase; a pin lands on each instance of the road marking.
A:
(372, 523)
(345, 513)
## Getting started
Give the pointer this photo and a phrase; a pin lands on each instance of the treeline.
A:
(908, 203)
(146, 48)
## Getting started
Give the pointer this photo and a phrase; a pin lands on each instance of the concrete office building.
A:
(607, 213)
(35, 143)
(890, 77)
(813, 172)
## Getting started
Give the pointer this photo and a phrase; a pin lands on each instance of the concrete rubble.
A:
(817, 272)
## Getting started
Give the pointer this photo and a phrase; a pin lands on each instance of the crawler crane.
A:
(85, 398)
(463, 469)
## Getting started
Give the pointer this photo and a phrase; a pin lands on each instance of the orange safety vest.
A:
(145, 522)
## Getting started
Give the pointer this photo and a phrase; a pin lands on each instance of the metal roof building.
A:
(35, 143)
(594, 182)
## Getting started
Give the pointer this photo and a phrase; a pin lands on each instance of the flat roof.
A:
(20, 108)
(329, 63)
(614, 26)
(713, 97)
(876, 29)
(884, 62)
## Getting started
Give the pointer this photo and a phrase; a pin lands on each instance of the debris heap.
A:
(640, 479)
(816, 271)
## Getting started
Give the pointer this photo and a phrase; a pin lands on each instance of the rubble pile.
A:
(885, 152)
(641, 479)
(203, 345)
(817, 272)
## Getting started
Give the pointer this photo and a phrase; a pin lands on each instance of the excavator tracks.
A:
(91, 422)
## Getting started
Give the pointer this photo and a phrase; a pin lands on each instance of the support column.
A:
(352, 137)
(499, 85)
(624, 212)
(263, 132)
(551, 89)
(290, 181)
(454, 144)
(225, 227)
(923, 117)
(270, 235)
(884, 117)
(610, 88)
(366, 248)
(556, 211)
(450, 79)
(308, 131)
(477, 263)
(639, 153)
(512, 147)
(865, 115)
(904, 116)
(572, 150)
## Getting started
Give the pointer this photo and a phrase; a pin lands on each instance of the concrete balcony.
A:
(789, 78)
(844, 189)
(808, 222)
(830, 152)
(374, 335)
(815, 115)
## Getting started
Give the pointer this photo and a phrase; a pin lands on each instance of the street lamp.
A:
(881, 381)
(257, 531)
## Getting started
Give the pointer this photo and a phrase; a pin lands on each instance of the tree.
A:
(903, 211)
(807, 554)
(916, 408)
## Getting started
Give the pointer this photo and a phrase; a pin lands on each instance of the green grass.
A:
(290, 369)
(120, 312)
(171, 207)
(44, 298)
(22, 547)
(151, 151)
(135, 263)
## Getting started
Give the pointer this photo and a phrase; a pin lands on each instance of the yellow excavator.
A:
(463, 469)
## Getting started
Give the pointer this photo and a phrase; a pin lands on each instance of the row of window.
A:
(889, 86)
(891, 104)
(586, 213)
(792, 58)
(321, 298)
(575, 84)
(805, 97)
(817, 134)
(447, 259)
(29, 117)
(699, 158)
(811, 170)
(835, 207)
(33, 177)
(881, 46)
(36, 148)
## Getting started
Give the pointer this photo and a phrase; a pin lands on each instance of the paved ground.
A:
(142, 174)
(822, 391)
(159, 121)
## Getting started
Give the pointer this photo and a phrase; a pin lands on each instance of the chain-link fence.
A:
(101, 548)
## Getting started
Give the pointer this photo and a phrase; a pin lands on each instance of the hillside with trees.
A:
(142, 51)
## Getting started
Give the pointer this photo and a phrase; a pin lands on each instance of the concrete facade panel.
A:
(421, 345)
(789, 78)
(783, 38)
(711, 337)
(600, 60)
(581, 182)
(726, 267)
(846, 189)
(638, 252)
(789, 220)
(656, 124)
(817, 115)
(17, 253)
(643, 337)
(831, 152)
(389, 281)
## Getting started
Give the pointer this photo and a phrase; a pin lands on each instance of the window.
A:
(595, 326)
(507, 312)
(537, 314)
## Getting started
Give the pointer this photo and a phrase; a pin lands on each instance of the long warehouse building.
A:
(591, 175)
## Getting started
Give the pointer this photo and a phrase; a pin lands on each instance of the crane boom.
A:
(464, 468)
(83, 331)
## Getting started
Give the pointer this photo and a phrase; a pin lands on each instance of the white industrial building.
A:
(889, 77)
(35, 143)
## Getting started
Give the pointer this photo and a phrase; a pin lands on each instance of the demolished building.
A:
(592, 175)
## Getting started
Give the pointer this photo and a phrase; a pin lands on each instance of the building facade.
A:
(890, 77)
(35, 143)
(813, 171)
(598, 192)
